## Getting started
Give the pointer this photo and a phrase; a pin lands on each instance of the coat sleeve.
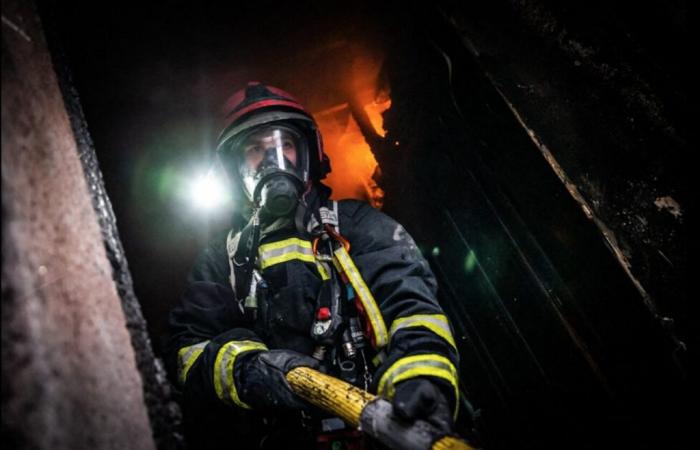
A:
(412, 333)
(207, 332)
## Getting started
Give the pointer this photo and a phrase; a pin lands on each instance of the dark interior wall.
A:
(537, 144)
(542, 165)
(607, 100)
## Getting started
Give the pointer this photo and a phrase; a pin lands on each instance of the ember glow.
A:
(352, 160)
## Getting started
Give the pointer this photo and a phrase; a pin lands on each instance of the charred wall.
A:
(544, 150)
(78, 370)
(164, 413)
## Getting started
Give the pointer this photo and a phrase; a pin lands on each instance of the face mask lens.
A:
(270, 150)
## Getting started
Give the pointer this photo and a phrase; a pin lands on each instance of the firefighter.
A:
(306, 281)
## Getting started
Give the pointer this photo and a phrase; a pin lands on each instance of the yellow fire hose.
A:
(372, 414)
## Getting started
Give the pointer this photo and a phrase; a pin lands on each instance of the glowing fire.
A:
(352, 160)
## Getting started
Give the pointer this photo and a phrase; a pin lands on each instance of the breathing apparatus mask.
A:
(271, 149)
(272, 163)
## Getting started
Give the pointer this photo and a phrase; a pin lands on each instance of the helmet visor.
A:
(269, 150)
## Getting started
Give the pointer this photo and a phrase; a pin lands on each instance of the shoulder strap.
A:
(238, 256)
(232, 241)
(242, 250)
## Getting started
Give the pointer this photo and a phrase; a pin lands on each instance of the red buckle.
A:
(323, 313)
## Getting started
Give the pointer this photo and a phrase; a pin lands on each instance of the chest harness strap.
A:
(331, 250)
(243, 275)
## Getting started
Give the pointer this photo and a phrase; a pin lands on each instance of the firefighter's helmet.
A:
(267, 113)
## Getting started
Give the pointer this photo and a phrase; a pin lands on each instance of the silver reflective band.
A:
(366, 298)
(412, 366)
(278, 252)
(415, 366)
(287, 250)
(224, 384)
(186, 358)
(437, 323)
(232, 241)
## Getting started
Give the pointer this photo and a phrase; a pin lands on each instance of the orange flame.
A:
(352, 160)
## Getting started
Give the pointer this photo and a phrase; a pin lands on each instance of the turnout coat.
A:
(383, 275)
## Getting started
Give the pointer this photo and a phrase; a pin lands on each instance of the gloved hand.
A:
(262, 383)
(422, 398)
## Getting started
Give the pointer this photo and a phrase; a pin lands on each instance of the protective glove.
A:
(262, 383)
(422, 398)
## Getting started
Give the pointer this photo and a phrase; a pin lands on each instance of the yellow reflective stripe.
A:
(424, 363)
(337, 265)
(287, 250)
(437, 323)
(415, 366)
(379, 358)
(284, 243)
(284, 257)
(186, 358)
(224, 384)
(365, 295)
(322, 270)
